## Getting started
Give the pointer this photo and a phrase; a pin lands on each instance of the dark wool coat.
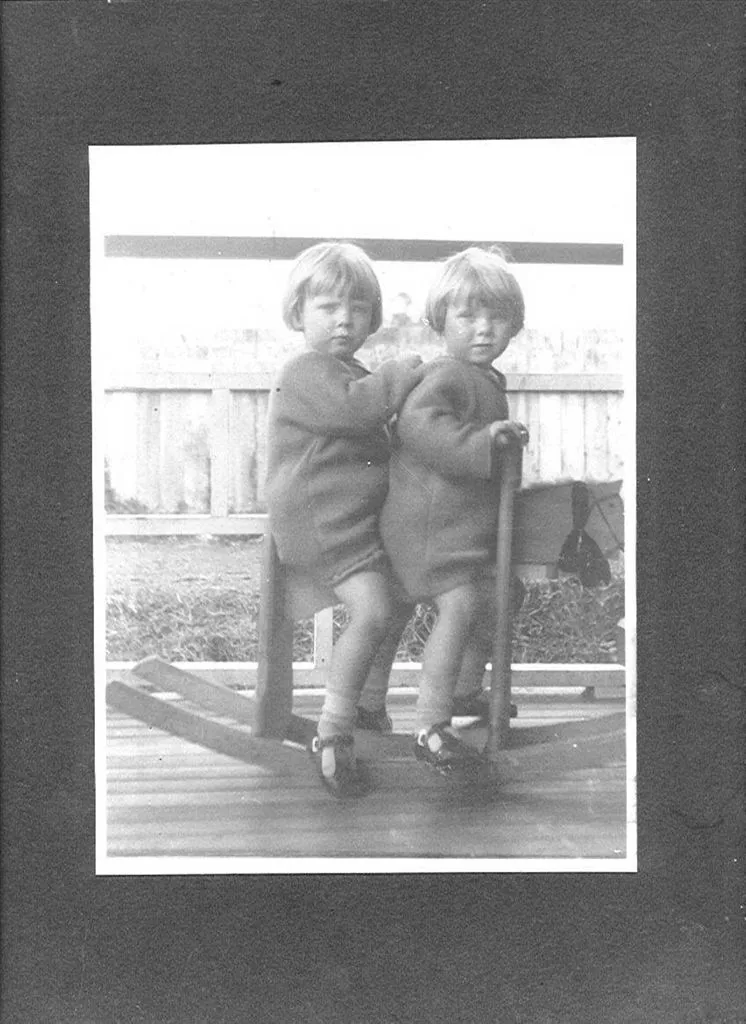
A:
(440, 516)
(328, 454)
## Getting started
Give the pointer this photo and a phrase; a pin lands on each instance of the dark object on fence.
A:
(580, 554)
(541, 520)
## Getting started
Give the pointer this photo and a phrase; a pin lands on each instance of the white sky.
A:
(569, 190)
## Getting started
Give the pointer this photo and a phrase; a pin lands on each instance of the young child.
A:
(440, 517)
(329, 448)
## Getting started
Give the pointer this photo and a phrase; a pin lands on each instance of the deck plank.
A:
(167, 797)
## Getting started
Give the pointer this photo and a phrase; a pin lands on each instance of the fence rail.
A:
(605, 680)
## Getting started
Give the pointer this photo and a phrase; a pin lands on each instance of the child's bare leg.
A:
(471, 701)
(458, 611)
(369, 605)
(478, 650)
(471, 675)
(373, 696)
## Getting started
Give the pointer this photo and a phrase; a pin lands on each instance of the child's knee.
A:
(463, 604)
(377, 619)
(370, 609)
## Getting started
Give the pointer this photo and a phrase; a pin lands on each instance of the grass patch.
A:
(204, 620)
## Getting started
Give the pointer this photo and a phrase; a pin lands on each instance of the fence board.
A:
(247, 412)
(243, 449)
(148, 451)
(220, 469)
(191, 433)
(517, 407)
(596, 429)
(573, 437)
(121, 425)
(615, 435)
(531, 418)
(262, 411)
(197, 463)
(172, 457)
(550, 436)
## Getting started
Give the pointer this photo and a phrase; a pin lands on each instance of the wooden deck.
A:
(167, 797)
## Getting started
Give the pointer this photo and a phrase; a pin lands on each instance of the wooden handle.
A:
(510, 479)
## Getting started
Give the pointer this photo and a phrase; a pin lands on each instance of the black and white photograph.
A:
(372, 512)
(364, 506)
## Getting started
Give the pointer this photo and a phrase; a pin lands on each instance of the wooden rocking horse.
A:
(265, 731)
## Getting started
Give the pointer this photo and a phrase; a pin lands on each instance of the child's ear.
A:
(296, 315)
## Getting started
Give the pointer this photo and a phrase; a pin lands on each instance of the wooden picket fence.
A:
(186, 452)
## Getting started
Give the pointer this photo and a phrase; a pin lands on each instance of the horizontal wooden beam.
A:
(564, 382)
(190, 380)
(251, 525)
(165, 380)
(242, 675)
(234, 247)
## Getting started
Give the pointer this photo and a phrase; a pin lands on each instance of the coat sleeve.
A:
(325, 396)
(434, 428)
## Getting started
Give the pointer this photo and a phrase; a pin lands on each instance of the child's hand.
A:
(402, 375)
(507, 432)
(412, 368)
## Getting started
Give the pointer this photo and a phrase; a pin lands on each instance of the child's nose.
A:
(344, 313)
(484, 326)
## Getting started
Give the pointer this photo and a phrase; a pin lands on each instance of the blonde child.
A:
(440, 517)
(329, 448)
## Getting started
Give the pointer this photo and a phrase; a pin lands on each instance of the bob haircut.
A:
(331, 267)
(479, 277)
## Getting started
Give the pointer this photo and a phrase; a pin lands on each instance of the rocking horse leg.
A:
(274, 689)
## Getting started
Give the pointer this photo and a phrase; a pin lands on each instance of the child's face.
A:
(336, 324)
(475, 334)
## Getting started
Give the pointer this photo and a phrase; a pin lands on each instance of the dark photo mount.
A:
(660, 945)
